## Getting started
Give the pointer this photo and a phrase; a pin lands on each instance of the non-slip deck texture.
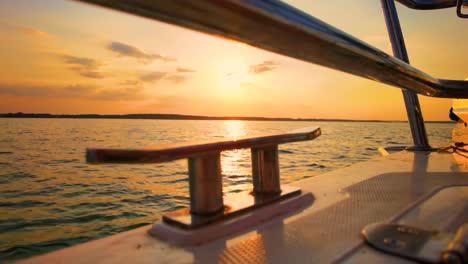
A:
(322, 236)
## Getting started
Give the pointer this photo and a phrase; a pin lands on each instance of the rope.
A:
(457, 148)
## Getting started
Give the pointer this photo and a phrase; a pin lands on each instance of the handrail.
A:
(275, 26)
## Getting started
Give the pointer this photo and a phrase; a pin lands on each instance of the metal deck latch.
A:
(418, 244)
(206, 195)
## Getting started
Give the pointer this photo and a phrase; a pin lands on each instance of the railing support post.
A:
(265, 170)
(206, 188)
(413, 109)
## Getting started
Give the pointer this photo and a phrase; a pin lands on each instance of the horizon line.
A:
(159, 116)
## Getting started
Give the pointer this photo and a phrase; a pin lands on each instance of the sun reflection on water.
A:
(234, 128)
(235, 164)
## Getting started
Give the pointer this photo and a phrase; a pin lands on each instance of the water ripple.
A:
(24, 204)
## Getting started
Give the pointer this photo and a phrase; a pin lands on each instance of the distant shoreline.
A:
(191, 117)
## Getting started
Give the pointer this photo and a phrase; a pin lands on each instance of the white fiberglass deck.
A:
(391, 188)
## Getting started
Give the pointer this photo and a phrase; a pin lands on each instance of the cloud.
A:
(85, 67)
(125, 50)
(178, 78)
(152, 77)
(184, 70)
(122, 94)
(33, 32)
(93, 74)
(73, 91)
(131, 82)
(77, 89)
(263, 67)
(81, 61)
(46, 89)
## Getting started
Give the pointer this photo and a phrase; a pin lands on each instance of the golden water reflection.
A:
(234, 128)
(235, 164)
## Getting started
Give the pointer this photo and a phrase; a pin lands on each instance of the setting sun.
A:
(233, 75)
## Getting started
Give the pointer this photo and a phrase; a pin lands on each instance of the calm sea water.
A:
(50, 198)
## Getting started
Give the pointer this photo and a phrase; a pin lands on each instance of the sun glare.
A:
(233, 75)
(235, 80)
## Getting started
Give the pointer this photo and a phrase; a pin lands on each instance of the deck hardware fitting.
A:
(207, 204)
(425, 246)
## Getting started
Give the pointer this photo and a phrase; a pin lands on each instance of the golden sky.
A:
(65, 57)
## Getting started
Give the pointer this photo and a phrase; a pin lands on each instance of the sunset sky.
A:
(65, 57)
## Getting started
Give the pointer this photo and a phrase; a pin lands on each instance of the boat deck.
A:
(425, 189)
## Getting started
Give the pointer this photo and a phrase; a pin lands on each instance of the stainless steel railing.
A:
(413, 109)
(281, 28)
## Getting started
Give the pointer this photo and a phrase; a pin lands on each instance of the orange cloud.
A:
(184, 70)
(86, 67)
(152, 77)
(84, 91)
(125, 50)
(263, 67)
(178, 78)
(33, 32)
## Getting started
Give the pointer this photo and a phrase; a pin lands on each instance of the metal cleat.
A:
(204, 169)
